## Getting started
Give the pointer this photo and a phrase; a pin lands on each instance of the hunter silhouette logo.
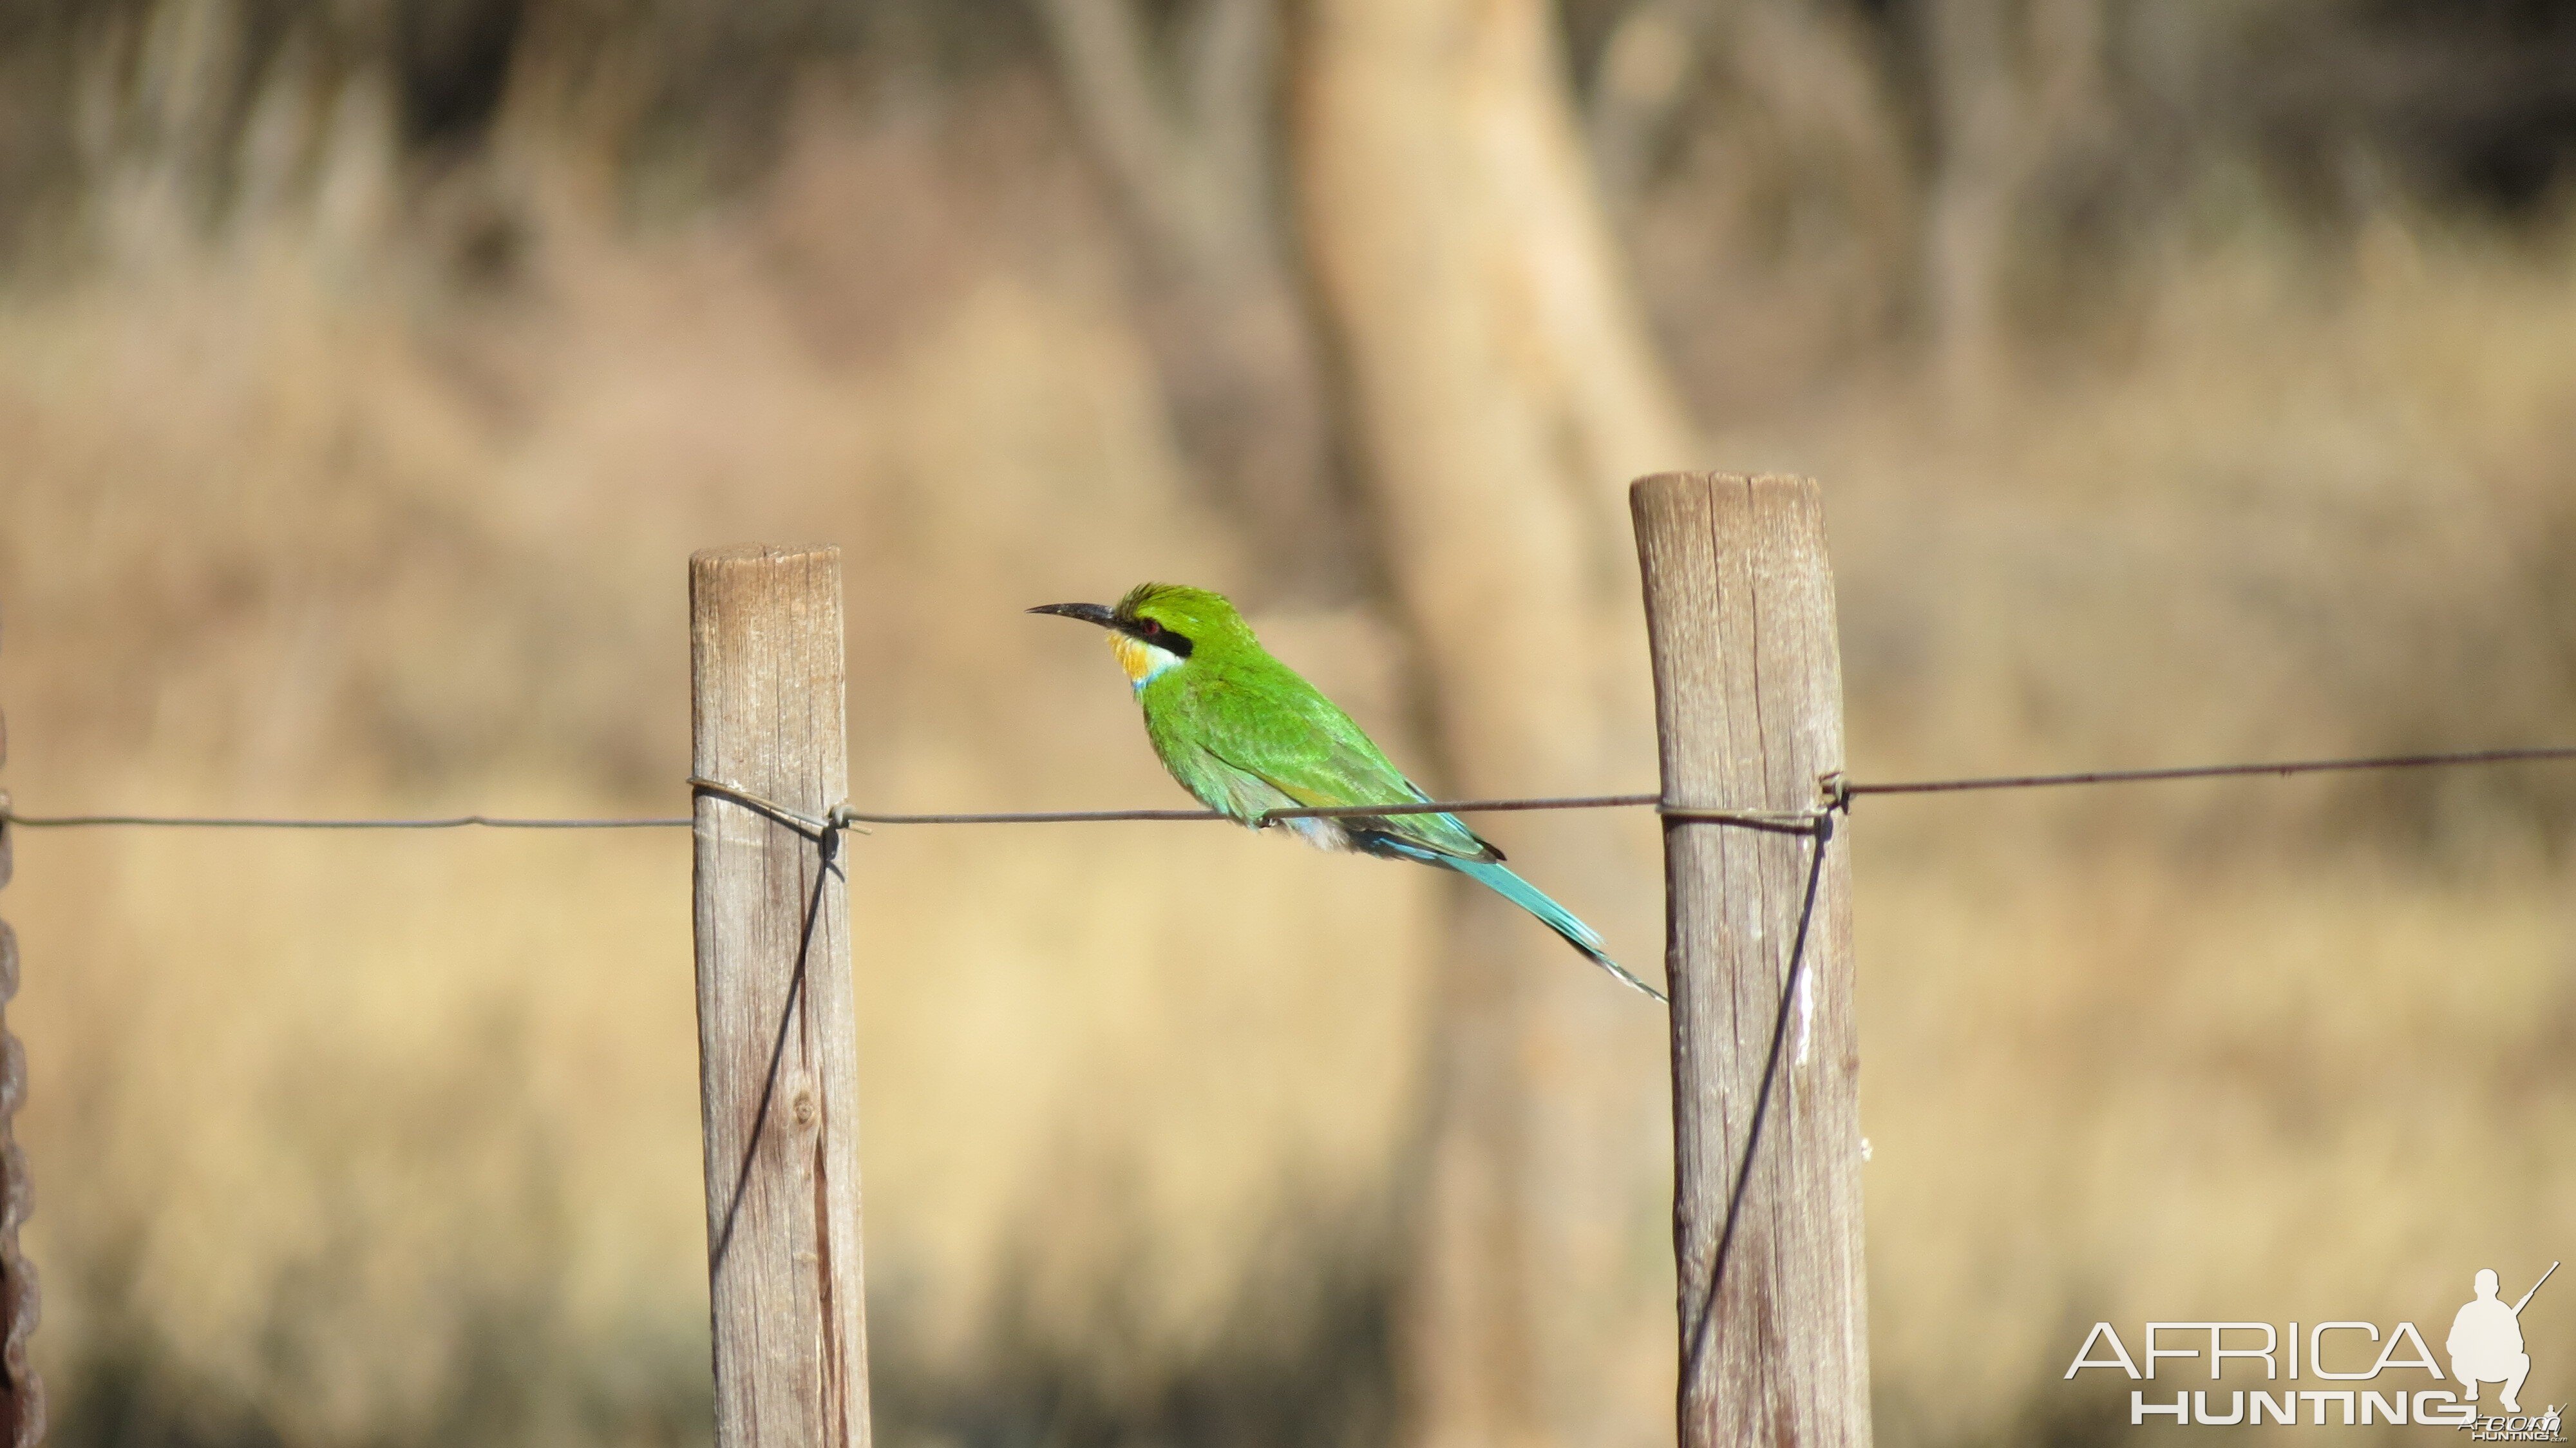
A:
(2362, 1375)
(2486, 1341)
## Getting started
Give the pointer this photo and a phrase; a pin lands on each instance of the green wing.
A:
(1256, 736)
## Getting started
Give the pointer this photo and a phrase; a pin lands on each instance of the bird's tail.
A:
(1582, 937)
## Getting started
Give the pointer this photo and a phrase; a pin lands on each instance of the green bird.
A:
(1246, 735)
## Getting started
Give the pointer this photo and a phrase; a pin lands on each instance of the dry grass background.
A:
(392, 1139)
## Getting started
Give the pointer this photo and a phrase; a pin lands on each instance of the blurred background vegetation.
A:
(2190, 379)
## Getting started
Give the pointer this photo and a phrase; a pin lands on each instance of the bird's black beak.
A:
(1087, 612)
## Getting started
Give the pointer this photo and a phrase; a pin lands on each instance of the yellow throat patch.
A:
(1140, 659)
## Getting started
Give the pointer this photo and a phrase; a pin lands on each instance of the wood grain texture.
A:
(776, 1039)
(22, 1393)
(1748, 697)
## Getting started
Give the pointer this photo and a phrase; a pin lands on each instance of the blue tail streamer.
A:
(1498, 878)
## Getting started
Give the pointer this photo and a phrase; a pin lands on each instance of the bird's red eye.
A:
(1156, 635)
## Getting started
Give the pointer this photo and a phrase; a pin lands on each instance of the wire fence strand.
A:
(2283, 768)
(1836, 794)
(249, 822)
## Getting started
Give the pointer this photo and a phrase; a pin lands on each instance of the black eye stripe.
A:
(1160, 637)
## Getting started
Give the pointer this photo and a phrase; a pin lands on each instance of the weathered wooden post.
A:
(22, 1393)
(1766, 1197)
(776, 1050)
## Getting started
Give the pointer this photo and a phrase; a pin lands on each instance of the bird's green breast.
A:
(1244, 733)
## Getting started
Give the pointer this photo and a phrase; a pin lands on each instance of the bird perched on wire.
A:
(1246, 735)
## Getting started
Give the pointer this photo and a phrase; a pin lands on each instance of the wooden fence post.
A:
(22, 1393)
(777, 1053)
(1766, 1122)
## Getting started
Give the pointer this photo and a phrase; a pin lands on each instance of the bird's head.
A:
(1160, 626)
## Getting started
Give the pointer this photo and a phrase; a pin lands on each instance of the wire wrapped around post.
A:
(22, 1394)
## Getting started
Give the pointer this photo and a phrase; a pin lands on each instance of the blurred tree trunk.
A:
(2011, 81)
(1503, 390)
(1179, 103)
